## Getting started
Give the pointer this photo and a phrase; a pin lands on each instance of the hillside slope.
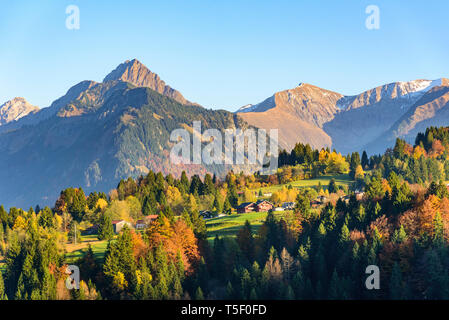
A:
(95, 135)
(323, 118)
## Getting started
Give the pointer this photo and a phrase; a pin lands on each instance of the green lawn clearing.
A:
(228, 226)
(74, 252)
(341, 180)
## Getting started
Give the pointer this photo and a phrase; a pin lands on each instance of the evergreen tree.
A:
(232, 196)
(185, 182)
(332, 188)
(365, 161)
(217, 203)
(2, 288)
(149, 204)
(199, 294)
(246, 242)
(46, 218)
(303, 205)
(227, 208)
(333, 287)
(105, 228)
(395, 285)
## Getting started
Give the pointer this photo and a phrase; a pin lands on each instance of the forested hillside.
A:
(391, 216)
(110, 131)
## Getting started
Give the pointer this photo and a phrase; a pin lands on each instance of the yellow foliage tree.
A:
(119, 281)
(418, 152)
(101, 203)
(249, 195)
(359, 173)
(20, 223)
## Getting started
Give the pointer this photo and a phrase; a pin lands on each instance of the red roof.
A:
(116, 221)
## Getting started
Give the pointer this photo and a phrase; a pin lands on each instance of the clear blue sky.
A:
(221, 54)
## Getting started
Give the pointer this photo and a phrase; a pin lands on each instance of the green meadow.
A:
(77, 251)
(228, 226)
(341, 180)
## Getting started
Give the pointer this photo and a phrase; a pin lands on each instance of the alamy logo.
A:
(73, 280)
(373, 280)
(72, 22)
(239, 147)
(372, 22)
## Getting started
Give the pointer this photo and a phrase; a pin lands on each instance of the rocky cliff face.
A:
(324, 118)
(431, 109)
(15, 109)
(136, 73)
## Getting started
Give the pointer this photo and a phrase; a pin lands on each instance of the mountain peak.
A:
(136, 73)
(15, 109)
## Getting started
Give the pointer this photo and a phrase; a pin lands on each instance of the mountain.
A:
(365, 117)
(431, 109)
(15, 109)
(131, 71)
(136, 73)
(323, 118)
(95, 135)
(100, 132)
(297, 113)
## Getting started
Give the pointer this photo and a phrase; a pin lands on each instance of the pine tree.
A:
(227, 208)
(333, 287)
(253, 295)
(365, 161)
(185, 182)
(395, 284)
(246, 242)
(232, 196)
(289, 294)
(332, 186)
(399, 236)
(199, 294)
(303, 205)
(2, 288)
(344, 235)
(149, 204)
(46, 218)
(377, 211)
(360, 215)
(87, 264)
(229, 291)
(105, 228)
(217, 203)
(208, 186)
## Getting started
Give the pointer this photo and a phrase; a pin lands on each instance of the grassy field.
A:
(341, 180)
(76, 251)
(229, 226)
